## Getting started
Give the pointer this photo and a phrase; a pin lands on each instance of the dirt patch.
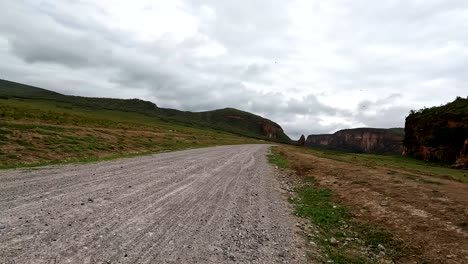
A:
(428, 214)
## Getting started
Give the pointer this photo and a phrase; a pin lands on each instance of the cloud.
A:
(311, 66)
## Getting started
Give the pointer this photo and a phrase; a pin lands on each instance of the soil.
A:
(211, 205)
(429, 215)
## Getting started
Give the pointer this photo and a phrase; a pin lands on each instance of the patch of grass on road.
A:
(276, 158)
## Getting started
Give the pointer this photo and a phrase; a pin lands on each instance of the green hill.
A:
(40, 127)
(228, 119)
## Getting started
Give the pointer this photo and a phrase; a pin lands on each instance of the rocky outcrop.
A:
(271, 130)
(301, 141)
(462, 159)
(439, 133)
(323, 140)
(360, 140)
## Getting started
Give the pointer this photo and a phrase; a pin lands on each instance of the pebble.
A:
(2, 226)
(333, 241)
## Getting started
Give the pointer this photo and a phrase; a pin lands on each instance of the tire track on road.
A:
(211, 205)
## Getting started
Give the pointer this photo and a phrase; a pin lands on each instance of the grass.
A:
(64, 109)
(357, 242)
(334, 221)
(38, 132)
(393, 162)
(317, 205)
(276, 158)
(89, 159)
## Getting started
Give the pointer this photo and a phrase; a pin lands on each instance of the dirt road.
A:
(212, 205)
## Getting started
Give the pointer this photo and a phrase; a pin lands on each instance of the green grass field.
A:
(40, 132)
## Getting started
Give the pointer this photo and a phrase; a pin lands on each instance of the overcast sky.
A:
(311, 66)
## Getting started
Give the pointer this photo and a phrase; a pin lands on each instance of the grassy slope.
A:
(37, 132)
(228, 119)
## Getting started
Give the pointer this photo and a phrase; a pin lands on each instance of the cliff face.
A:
(271, 130)
(301, 141)
(360, 140)
(462, 159)
(323, 140)
(439, 133)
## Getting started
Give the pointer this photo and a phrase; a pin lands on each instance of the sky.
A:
(311, 66)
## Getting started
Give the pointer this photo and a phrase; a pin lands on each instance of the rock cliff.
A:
(301, 141)
(271, 130)
(360, 140)
(439, 133)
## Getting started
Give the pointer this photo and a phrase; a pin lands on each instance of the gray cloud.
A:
(312, 66)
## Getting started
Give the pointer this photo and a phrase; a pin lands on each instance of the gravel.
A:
(211, 205)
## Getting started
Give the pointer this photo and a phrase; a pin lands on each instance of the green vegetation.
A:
(276, 158)
(73, 160)
(459, 106)
(39, 132)
(38, 127)
(394, 162)
(341, 238)
(228, 120)
(10, 90)
(317, 205)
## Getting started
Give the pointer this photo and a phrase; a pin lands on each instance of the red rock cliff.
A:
(439, 133)
(270, 130)
(361, 140)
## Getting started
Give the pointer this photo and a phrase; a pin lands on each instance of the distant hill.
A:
(228, 119)
(439, 133)
(361, 140)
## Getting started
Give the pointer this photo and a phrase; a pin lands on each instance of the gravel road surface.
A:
(211, 205)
